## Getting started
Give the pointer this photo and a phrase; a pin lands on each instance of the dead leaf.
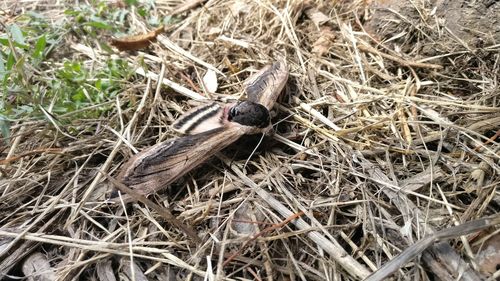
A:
(240, 7)
(28, 153)
(210, 81)
(119, 4)
(135, 274)
(185, 38)
(317, 17)
(232, 68)
(37, 267)
(214, 31)
(324, 41)
(136, 42)
(405, 128)
(105, 271)
(244, 221)
(488, 259)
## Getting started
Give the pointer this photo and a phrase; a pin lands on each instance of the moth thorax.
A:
(249, 114)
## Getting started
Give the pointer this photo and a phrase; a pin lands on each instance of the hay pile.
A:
(376, 147)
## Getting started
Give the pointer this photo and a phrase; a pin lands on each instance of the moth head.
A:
(249, 113)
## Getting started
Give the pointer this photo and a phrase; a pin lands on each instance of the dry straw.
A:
(376, 146)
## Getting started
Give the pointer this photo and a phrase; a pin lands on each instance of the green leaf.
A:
(60, 109)
(76, 67)
(3, 71)
(70, 12)
(131, 2)
(79, 96)
(4, 41)
(20, 63)
(40, 47)
(106, 48)
(35, 15)
(154, 21)
(121, 15)
(142, 12)
(10, 61)
(4, 128)
(23, 109)
(98, 23)
(169, 20)
(98, 84)
(17, 34)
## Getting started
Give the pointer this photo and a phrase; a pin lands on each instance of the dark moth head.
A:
(249, 114)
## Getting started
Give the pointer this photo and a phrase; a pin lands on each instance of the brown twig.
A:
(490, 140)
(35, 151)
(190, 82)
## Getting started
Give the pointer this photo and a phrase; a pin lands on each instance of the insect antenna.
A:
(253, 151)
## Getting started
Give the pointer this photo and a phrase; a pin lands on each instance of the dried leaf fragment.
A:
(325, 35)
(105, 271)
(317, 17)
(210, 81)
(243, 221)
(136, 42)
(37, 267)
(324, 42)
(488, 259)
(232, 68)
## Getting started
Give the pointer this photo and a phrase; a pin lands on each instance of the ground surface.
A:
(386, 133)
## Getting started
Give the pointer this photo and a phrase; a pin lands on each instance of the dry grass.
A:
(374, 150)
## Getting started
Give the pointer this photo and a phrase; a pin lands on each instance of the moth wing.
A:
(265, 86)
(254, 83)
(200, 119)
(160, 165)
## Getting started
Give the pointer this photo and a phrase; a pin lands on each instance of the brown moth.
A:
(209, 129)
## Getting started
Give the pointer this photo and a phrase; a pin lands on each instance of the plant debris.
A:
(137, 42)
(385, 137)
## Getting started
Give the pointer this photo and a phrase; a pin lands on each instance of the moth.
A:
(208, 129)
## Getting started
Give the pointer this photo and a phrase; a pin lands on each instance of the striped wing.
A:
(156, 167)
(200, 119)
(265, 86)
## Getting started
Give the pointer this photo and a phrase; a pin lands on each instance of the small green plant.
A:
(41, 72)
(39, 69)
